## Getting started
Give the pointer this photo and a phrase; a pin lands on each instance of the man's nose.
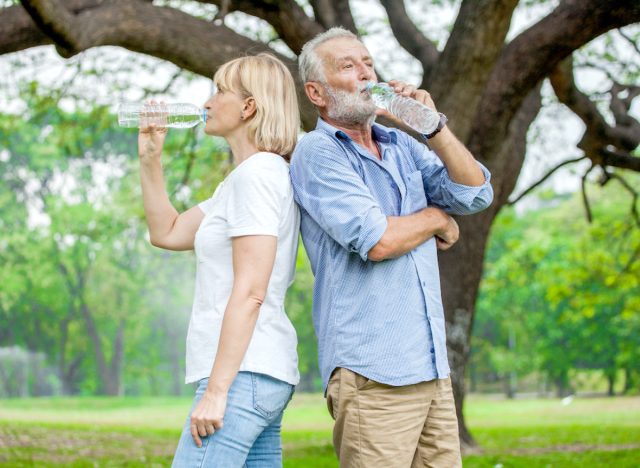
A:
(365, 73)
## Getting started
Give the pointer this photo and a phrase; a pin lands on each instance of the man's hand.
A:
(448, 235)
(207, 417)
(410, 91)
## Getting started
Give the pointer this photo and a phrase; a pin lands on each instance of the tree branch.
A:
(161, 32)
(287, 17)
(585, 198)
(628, 188)
(630, 40)
(409, 36)
(543, 178)
(330, 13)
(619, 160)
(18, 30)
(599, 136)
(535, 53)
(472, 50)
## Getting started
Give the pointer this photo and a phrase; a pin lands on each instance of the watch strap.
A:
(441, 124)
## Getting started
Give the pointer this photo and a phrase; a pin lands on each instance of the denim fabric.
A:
(250, 436)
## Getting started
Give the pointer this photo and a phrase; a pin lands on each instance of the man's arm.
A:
(462, 166)
(456, 182)
(405, 233)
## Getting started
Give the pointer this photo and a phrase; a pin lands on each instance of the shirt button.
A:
(432, 350)
(424, 283)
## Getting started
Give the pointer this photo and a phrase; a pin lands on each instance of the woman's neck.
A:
(241, 147)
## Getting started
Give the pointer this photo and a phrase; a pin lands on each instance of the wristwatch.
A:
(441, 124)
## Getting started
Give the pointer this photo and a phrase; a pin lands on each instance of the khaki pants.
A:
(378, 425)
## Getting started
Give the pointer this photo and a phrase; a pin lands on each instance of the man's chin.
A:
(352, 119)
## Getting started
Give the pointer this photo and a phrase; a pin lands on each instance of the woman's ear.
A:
(248, 108)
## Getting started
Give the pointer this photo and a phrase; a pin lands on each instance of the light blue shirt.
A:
(383, 320)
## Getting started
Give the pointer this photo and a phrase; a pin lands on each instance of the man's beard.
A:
(354, 108)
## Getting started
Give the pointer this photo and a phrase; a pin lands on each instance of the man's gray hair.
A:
(309, 63)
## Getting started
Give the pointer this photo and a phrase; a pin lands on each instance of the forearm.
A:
(159, 212)
(405, 233)
(460, 163)
(238, 325)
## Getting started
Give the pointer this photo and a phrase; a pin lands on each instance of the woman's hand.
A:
(207, 417)
(150, 137)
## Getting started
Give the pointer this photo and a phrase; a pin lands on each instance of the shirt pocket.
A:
(416, 198)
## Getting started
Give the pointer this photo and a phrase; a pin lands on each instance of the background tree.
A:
(488, 86)
(566, 290)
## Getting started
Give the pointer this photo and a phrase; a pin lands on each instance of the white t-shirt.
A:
(256, 198)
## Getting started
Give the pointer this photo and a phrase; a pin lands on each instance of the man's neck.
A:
(360, 133)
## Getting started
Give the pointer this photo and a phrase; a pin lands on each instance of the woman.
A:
(241, 347)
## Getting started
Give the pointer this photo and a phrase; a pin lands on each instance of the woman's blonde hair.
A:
(275, 125)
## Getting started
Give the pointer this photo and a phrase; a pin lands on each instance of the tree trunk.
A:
(611, 382)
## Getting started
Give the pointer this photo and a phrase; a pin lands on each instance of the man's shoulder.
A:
(316, 137)
(314, 144)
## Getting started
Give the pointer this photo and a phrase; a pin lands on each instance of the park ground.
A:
(137, 432)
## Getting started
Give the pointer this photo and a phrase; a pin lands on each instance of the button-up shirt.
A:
(383, 320)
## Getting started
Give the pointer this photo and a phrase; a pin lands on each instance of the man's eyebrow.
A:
(347, 58)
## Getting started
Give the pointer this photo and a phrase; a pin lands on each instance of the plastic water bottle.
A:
(178, 115)
(415, 114)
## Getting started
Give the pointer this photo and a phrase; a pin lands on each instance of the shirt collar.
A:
(380, 133)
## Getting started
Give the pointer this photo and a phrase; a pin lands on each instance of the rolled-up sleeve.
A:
(329, 189)
(443, 192)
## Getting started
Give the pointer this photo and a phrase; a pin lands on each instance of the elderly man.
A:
(374, 206)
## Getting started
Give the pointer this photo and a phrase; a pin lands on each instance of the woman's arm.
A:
(253, 259)
(167, 228)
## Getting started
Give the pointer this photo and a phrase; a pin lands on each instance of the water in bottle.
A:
(178, 115)
(415, 114)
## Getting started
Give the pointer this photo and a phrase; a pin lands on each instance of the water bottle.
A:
(415, 114)
(178, 115)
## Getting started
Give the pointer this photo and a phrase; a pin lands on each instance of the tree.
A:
(565, 289)
(489, 88)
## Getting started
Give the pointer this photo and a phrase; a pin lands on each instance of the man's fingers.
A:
(441, 244)
(195, 436)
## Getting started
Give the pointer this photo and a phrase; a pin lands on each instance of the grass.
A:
(137, 432)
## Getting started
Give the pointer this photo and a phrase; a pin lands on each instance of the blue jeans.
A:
(250, 436)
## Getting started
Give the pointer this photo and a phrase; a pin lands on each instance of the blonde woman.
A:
(241, 347)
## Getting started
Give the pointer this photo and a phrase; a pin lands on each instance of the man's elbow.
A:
(380, 251)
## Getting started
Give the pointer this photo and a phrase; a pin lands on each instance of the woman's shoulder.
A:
(262, 168)
(263, 162)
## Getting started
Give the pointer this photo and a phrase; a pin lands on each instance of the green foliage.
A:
(144, 432)
(81, 284)
(565, 288)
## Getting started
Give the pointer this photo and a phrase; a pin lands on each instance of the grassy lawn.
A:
(132, 432)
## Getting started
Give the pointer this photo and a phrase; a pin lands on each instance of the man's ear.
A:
(316, 93)
(249, 108)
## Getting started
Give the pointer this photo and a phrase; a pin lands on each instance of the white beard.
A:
(350, 107)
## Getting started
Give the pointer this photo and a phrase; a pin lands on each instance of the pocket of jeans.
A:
(270, 396)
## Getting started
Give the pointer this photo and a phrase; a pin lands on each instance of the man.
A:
(374, 206)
